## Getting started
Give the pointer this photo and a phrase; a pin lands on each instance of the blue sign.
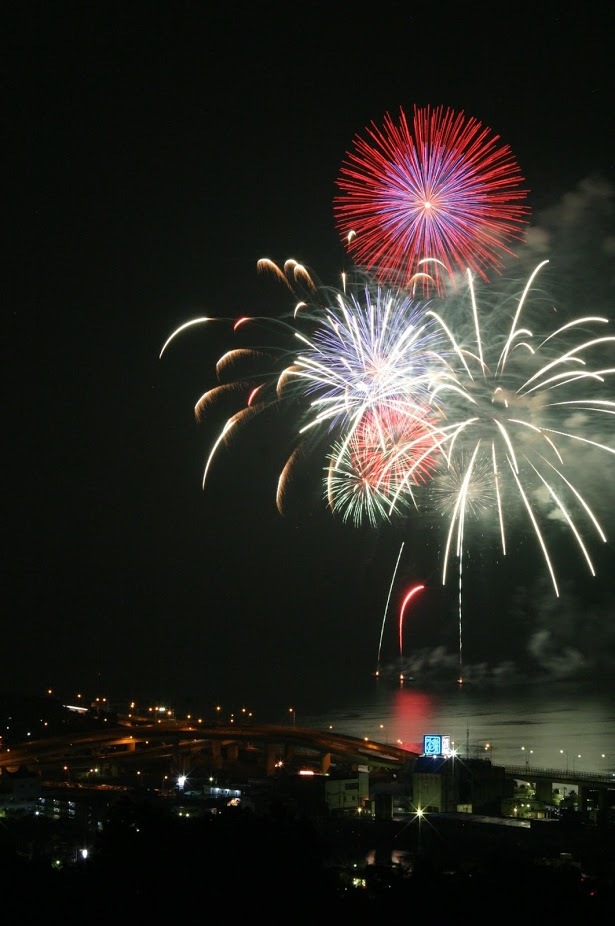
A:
(434, 744)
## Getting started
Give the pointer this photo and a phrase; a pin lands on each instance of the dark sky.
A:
(154, 153)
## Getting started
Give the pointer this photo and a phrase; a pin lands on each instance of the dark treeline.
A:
(145, 859)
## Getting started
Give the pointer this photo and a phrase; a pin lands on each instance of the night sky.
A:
(154, 152)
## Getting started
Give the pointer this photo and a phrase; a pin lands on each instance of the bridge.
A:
(261, 748)
(223, 744)
(533, 774)
(586, 783)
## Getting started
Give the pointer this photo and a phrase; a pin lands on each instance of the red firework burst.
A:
(393, 446)
(444, 191)
(392, 450)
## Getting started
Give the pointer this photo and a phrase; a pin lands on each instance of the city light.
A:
(563, 752)
(528, 753)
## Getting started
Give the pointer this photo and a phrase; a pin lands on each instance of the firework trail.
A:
(443, 187)
(402, 611)
(471, 480)
(386, 607)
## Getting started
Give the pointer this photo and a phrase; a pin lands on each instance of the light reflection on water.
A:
(549, 726)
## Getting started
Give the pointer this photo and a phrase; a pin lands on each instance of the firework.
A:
(386, 607)
(416, 404)
(360, 382)
(471, 480)
(392, 448)
(523, 414)
(402, 611)
(443, 190)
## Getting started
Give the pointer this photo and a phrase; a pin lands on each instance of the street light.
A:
(528, 753)
(291, 710)
(562, 752)
(386, 738)
(574, 760)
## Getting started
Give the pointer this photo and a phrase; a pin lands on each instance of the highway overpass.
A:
(271, 745)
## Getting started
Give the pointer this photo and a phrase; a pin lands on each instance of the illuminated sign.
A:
(435, 744)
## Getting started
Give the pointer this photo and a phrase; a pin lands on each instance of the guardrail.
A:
(558, 774)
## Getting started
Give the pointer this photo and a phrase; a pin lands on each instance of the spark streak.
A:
(407, 599)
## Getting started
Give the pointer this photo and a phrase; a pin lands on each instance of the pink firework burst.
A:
(420, 202)
(372, 474)
(392, 445)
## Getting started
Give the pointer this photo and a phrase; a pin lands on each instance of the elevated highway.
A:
(535, 774)
(599, 787)
(264, 747)
(273, 745)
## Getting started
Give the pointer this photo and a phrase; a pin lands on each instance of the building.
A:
(450, 783)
